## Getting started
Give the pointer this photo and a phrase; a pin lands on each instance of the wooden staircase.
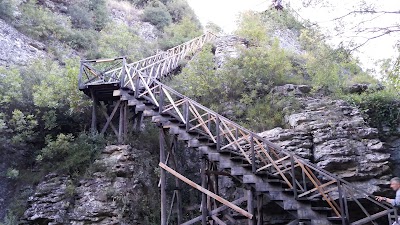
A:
(311, 195)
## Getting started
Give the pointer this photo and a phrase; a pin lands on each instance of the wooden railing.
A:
(117, 70)
(305, 179)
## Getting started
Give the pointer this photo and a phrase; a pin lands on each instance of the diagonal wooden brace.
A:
(207, 192)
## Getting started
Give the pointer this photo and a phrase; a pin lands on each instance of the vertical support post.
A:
(121, 123)
(161, 102)
(341, 203)
(123, 73)
(80, 85)
(217, 133)
(250, 206)
(204, 212)
(177, 183)
(253, 154)
(187, 115)
(93, 127)
(125, 121)
(260, 219)
(137, 83)
(163, 180)
(294, 184)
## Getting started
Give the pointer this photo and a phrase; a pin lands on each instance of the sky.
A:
(224, 13)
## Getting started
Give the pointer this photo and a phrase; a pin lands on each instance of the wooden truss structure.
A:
(135, 90)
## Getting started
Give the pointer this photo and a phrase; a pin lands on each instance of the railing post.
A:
(342, 199)
(187, 115)
(80, 76)
(137, 83)
(217, 133)
(253, 154)
(123, 73)
(293, 176)
(161, 103)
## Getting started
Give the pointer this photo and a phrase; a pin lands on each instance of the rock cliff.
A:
(333, 135)
(16, 48)
(119, 190)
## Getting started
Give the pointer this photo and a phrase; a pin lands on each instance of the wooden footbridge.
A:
(268, 173)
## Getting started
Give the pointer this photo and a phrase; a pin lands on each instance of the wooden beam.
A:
(207, 192)
(215, 211)
(109, 119)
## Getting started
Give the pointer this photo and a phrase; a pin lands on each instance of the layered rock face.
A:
(119, 190)
(333, 135)
(16, 48)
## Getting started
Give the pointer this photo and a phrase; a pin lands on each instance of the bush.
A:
(43, 24)
(12, 173)
(176, 34)
(117, 40)
(69, 154)
(381, 108)
(251, 25)
(180, 9)
(158, 15)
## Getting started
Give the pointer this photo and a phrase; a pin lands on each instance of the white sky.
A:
(224, 13)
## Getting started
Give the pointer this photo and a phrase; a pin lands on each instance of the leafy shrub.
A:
(12, 173)
(158, 15)
(381, 108)
(180, 9)
(251, 25)
(69, 154)
(178, 33)
(117, 40)
(43, 24)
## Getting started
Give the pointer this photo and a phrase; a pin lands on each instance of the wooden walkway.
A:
(310, 194)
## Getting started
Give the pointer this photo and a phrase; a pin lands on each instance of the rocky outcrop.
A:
(227, 47)
(118, 190)
(125, 13)
(333, 135)
(16, 48)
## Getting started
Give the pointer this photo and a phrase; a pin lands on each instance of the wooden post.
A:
(177, 183)
(121, 123)
(94, 113)
(163, 180)
(203, 196)
(250, 206)
(260, 219)
(126, 121)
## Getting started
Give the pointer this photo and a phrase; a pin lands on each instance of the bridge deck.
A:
(102, 92)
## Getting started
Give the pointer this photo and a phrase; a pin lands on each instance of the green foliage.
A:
(180, 9)
(117, 40)
(22, 126)
(255, 72)
(178, 33)
(381, 108)
(268, 112)
(10, 85)
(198, 79)
(7, 9)
(251, 25)
(12, 173)
(10, 219)
(158, 15)
(213, 28)
(41, 23)
(66, 153)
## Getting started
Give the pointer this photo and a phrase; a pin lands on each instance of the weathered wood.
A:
(207, 192)
(216, 211)
(109, 119)
(163, 180)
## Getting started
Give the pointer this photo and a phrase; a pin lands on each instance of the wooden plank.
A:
(218, 220)
(215, 211)
(315, 189)
(207, 192)
(111, 117)
(269, 165)
(173, 104)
